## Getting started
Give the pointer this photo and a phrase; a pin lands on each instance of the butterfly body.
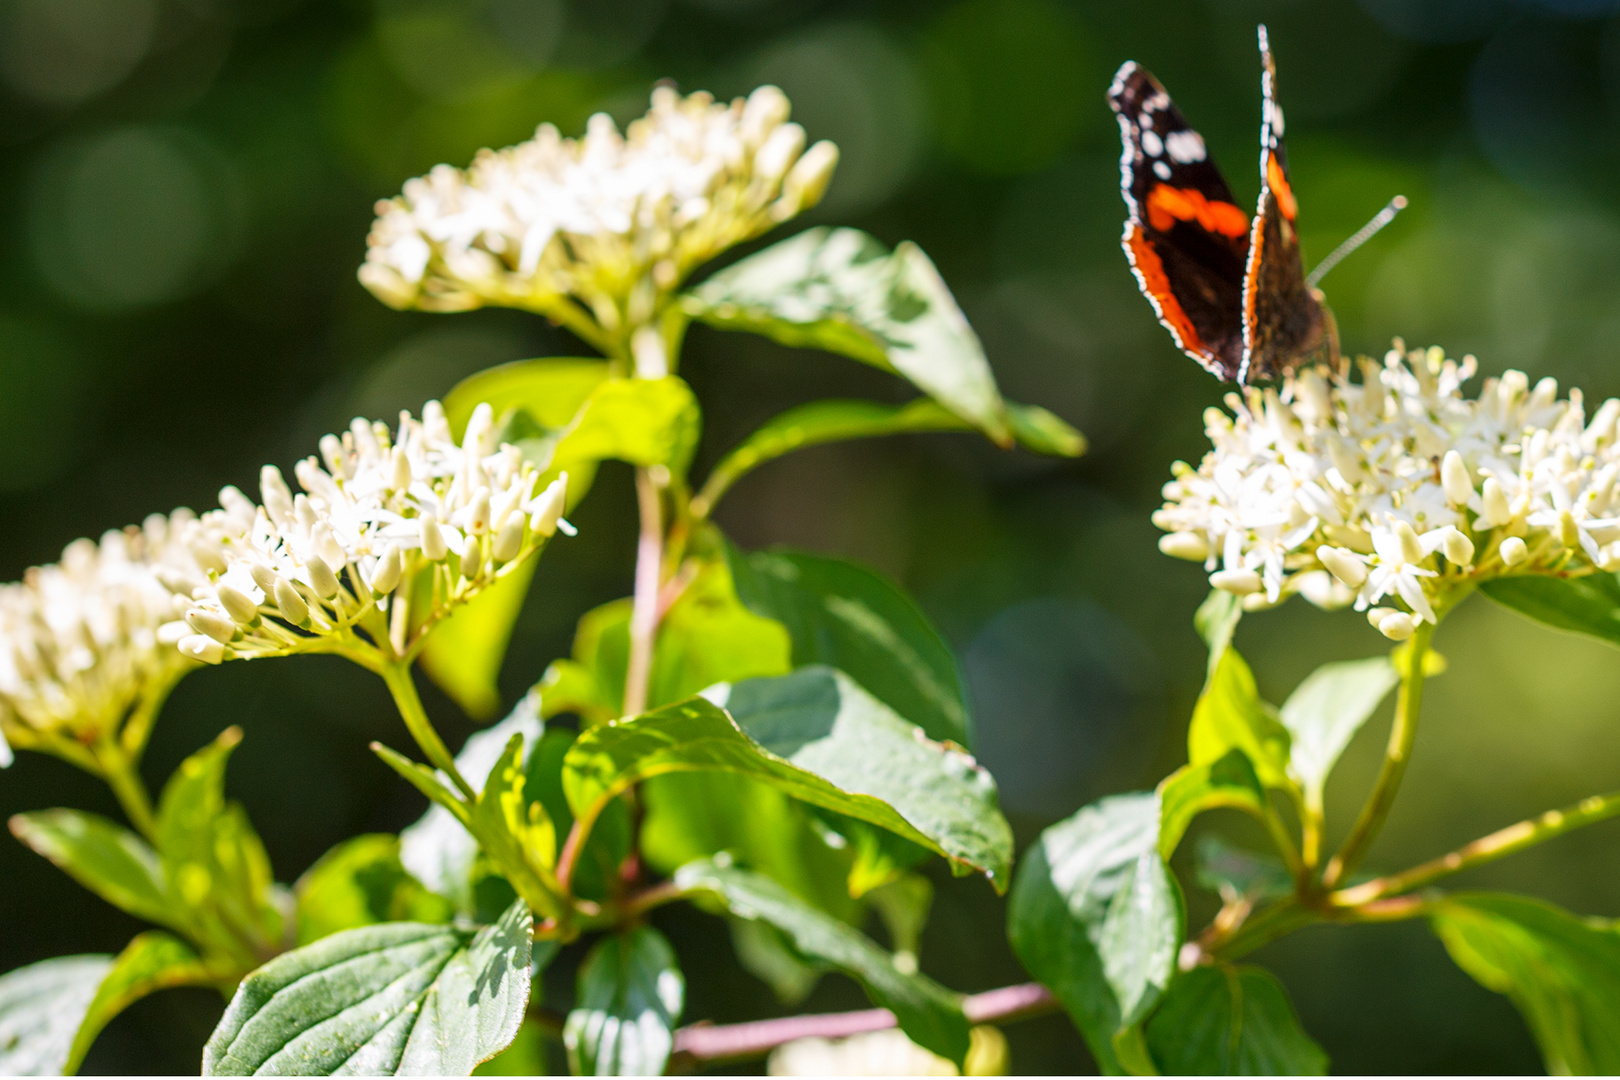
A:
(1230, 289)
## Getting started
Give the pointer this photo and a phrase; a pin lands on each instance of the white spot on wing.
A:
(1161, 170)
(1185, 147)
(1152, 143)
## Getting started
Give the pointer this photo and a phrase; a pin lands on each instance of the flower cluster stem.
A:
(644, 611)
(409, 703)
(122, 776)
(1396, 756)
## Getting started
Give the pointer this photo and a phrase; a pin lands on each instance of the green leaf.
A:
(1231, 1021)
(840, 290)
(151, 962)
(592, 683)
(549, 390)
(846, 616)
(525, 1057)
(390, 999)
(709, 637)
(361, 882)
(903, 905)
(1216, 621)
(1562, 971)
(1044, 432)
(1096, 916)
(1230, 716)
(463, 654)
(104, 857)
(1587, 605)
(641, 421)
(763, 952)
(596, 870)
(630, 996)
(516, 834)
(1190, 790)
(930, 1015)
(1326, 711)
(41, 1008)
(1236, 873)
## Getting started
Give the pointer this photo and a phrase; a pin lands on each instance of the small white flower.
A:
(396, 530)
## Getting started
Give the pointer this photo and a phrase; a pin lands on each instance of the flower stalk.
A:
(644, 612)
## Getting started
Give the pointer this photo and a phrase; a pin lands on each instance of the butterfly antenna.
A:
(1365, 233)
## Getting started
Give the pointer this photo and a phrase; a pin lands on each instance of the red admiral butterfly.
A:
(1232, 293)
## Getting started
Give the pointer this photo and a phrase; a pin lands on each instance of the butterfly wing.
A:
(1282, 319)
(1186, 237)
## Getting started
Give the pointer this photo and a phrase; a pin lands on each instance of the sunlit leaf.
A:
(153, 961)
(1587, 605)
(631, 993)
(1562, 971)
(928, 1013)
(41, 1008)
(1096, 916)
(549, 390)
(105, 858)
(846, 616)
(1231, 1021)
(841, 290)
(1237, 873)
(463, 654)
(708, 636)
(1229, 782)
(360, 882)
(1230, 716)
(1326, 710)
(391, 999)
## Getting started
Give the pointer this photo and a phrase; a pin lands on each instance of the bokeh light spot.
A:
(63, 51)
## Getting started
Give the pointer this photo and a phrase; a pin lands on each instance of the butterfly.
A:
(1231, 291)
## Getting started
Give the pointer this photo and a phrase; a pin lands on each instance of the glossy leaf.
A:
(549, 390)
(464, 653)
(1231, 1021)
(1324, 713)
(361, 882)
(641, 421)
(928, 1013)
(1190, 790)
(153, 961)
(390, 999)
(820, 739)
(846, 616)
(1230, 716)
(41, 1008)
(515, 833)
(104, 857)
(1562, 971)
(1096, 916)
(840, 290)
(1587, 605)
(631, 993)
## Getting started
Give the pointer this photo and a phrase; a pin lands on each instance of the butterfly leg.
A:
(1330, 339)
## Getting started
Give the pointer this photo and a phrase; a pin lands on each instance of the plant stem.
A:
(644, 609)
(712, 1043)
(1279, 920)
(1401, 736)
(120, 773)
(1486, 849)
(400, 684)
(138, 727)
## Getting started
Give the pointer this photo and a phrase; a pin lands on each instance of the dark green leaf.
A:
(361, 882)
(41, 1008)
(1587, 605)
(1237, 873)
(549, 390)
(591, 684)
(1231, 1021)
(104, 857)
(1230, 716)
(928, 1013)
(390, 999)
(596, 870)
(153, 961)
(903, 905)
(763, 952)
(1192, 789)
(1096, 916)
(840, 290)
(846, 616)
(1562, 971)
(1325, 712)
(630, 996)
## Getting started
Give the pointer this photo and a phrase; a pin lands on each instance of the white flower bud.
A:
(207, 555)
(509, 540)
(479, 427)
(1568, 531)
(807, 181)
(1397, 626)
(1237, 582)
(275, 494)
(390, 565)
(321, 578)
(1454, 478)
(264, 577)
(780, 151)
(1378, 615)
(337, 460)
(170, 633)
(401, 478)
(1497, 511)
(1458, 549)
(200, 647)
(211, 623)
(326, 546)
(293, 608)
(238, 507)
(1184, 545)
(239, 605)
(472, 560)
(1411, 546)
(1343, 564)
(434, 548)
(478, 512)
(1514, 551)
(548, 508)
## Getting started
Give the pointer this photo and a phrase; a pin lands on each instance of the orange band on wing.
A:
(1278, 183)
(1156, 283)
(1167, 205)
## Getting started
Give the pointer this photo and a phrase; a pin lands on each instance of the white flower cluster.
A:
(80, 640)
(1393, 491)
(386, 539)
(611, 220)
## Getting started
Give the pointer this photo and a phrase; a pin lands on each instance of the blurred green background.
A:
(185, 188)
